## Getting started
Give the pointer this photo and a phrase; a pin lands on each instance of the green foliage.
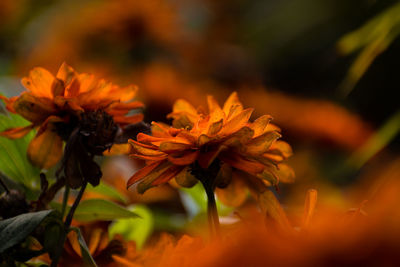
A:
(195, 200)
(106, 190)
(14, 162)
(371, 39)
(86, 256)
(14, 230)
(376, 142)
(98, 209)
(132, 229)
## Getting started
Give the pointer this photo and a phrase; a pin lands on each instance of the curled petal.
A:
(66, 73)
(144, 149)
(260, 124)
(241, 163)
(170, 147)
(17, 132)
(167, 175)
(185, 159)
(237, 122)
(143, 173)
(262, 143)
(233, 100)
(32, 108)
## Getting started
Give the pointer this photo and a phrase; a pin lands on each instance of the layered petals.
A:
(224, 135)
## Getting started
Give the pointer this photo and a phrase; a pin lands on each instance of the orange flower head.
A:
(67, 104)
(222, 139)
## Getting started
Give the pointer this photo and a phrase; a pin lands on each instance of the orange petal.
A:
(262, 143)
(213, 105)
(32, 108)
(309, 206)
(206, 158)
(185, 159)
(17, 132)
(272, 209)
(118, 149)
(260, 124)
(233, 100)
(185, 178)
(215, 127)
(142, 173)
(129, 120)
(66, 73)
(237, 122)
(281, 148)
(167, 175)
(241, 163)
(45, 150)
(147, 181)
(285, 173)
(149, 158)
(145, 149)
(234, 194)
(170, 147)
(123, 108)
(39, 82)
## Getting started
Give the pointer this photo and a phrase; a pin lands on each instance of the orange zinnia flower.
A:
(199, 140)
(57, 105)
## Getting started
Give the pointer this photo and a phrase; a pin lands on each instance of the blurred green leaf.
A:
(14, 230)
(376, 142)
(373, 38)
(107, 190)
(86, 256)
(100, 209)
(137, 230)
(14, 162)
(195, 201)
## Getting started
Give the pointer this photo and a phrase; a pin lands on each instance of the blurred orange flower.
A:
(56, 104)
(222, 136)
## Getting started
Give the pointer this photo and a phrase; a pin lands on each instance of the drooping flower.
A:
(76, 108)
(222, 138)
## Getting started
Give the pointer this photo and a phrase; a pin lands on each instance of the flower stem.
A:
(65, 201)
(71, 212)
(212, 212)
(68, 221)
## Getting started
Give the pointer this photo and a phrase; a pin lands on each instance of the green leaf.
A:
(14, 230)
(107, 190)
(86, 256)
(14, 162)
(100, 209)
(133, 229)
(376, 142)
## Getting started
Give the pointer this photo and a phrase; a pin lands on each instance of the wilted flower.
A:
(72, 107)
(221, 140)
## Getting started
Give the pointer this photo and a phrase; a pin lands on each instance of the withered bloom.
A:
(222, 141)
(76, 108)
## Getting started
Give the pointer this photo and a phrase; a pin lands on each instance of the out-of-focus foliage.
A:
(370, 40)
(14, 162)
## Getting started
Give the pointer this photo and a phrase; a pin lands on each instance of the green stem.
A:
(67, 223)
(71, 212)
(65, 201)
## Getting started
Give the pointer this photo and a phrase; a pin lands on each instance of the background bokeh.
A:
(327, 71)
